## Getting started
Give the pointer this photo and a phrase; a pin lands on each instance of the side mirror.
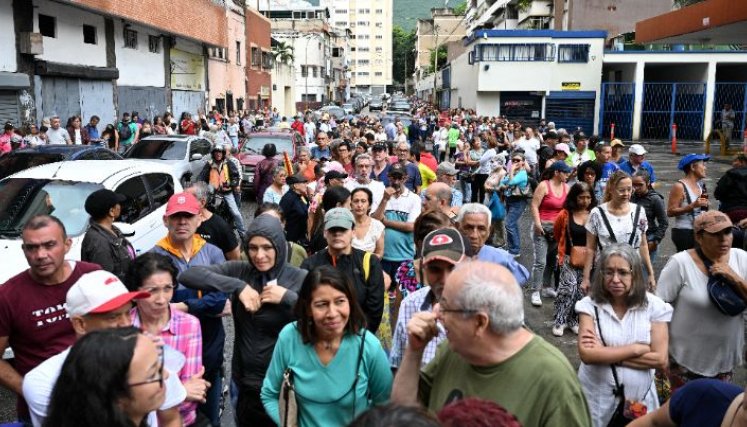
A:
(196, 156)
(126, 229)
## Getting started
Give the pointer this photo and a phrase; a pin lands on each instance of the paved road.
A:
(537, 319)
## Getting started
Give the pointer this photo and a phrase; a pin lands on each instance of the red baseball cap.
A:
(183, 203)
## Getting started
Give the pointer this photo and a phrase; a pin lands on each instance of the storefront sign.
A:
(187, 70)
(571, 85)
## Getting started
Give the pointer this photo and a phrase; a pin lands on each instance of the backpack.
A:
(125, 131)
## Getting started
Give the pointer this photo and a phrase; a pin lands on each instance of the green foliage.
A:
(283, 53)
(441, 59)
(523, 5)
(683, 3)
(403, 57)
(461, 8)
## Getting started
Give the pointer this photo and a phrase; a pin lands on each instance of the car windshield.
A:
(158, 149)
(254, 144)
(17, 162)
(22, 198)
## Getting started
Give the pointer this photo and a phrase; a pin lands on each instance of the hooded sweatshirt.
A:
(731, 189)
(256, 333)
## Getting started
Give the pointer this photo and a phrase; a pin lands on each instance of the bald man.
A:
(438, 197)
(488, 353)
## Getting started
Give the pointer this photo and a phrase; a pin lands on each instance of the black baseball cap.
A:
(334, 174)
(379, 147)
(397, 169)
(446, 244)
(101, 201)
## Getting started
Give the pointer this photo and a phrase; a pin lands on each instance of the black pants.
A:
(249, 409)
(683, 238)
(478, 187)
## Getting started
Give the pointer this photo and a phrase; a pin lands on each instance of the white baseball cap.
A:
(637, 149)
(98, 292)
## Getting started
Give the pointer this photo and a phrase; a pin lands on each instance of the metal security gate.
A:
(97, 99)
(571, 110)
(147, 101)
(189, 101)
(616, 107)
(665, 104)
(65, 97)
(736, 95)
(9, 107)
(524, 107)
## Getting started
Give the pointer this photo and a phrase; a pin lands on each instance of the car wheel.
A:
(185, 181)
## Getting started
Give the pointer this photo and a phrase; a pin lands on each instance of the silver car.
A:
(186, 154)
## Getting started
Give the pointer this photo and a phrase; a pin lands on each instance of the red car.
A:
(250, 153)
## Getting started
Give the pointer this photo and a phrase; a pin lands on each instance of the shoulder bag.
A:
(721, 292)
(618, 417)
(288, 399)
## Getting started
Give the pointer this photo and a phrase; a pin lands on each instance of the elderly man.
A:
(488, 354)
(321, 151)
(438, 198)
(414, 180)
(637, 160)
(98, 300)
(56, 134)
(442, 250)
(363, 167)
(213, 228)
(33, 320)
(447, 173)
(474, 221)
(186, 249)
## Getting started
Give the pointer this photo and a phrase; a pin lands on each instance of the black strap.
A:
(635, 222)
(687, 197)
(607, 224)
(619, 388)
(609, 227)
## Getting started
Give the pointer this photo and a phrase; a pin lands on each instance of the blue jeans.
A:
(238, 221)
(466, 190)
(514, 209)
(211, 407)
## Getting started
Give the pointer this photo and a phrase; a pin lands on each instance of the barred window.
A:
(130, 38)
(573, 53)
(515, 52)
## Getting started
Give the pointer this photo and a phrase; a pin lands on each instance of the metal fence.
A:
(665, 104)
(734, 94)
(617, 107)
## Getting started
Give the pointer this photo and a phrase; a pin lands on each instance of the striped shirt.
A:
(420, 300)
(183, 334)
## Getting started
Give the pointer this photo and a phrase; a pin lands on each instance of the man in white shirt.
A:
(98, 300)
(57, 134)
(530, 145)
(363, 167)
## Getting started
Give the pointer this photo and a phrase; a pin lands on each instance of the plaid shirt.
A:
(183, 334)
(419, 300)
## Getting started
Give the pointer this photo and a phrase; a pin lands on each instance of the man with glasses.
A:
(636, 160)
(398, 211)
(363, 167)
(442, 250)
(98, 300)
(32, 315)
(490, 355)
(322, 147)
(414, 180)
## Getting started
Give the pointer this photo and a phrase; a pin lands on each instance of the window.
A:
(47, 25)
(268, 61)
(379, 24)
(363, 62)
(314, 71)
(304, 71)
(364, 37)
(379, 49)
(379, 11)
(130, 38)
(573, 53)
(363, 73)
(199, 146)
(137, 204)
(341, 11)
(161, 187)
(336, 52)
(238, 52)
(363, 23)
(379, 37)
(256, 57)
(378, 74)
(89, 34)
(322, 71)
(515, 52)
(154, 44)
(341, 23)
(363, 49)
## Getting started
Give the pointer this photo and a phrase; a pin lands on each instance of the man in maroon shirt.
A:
(33, 320)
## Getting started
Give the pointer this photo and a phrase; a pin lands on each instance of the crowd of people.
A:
(379, 284)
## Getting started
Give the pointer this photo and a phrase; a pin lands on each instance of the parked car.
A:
(400, 106)
(332, 110)
(26, 158)
(349, 108)
(376, 104)
(251, 152)
(185, 154)
(61, 188)
(406, 119)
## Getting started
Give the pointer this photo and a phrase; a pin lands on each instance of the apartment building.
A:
(442, 28)
(227, 65)
(370, 55)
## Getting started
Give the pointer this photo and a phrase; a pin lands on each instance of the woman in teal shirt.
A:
(518, 194)
(339, 369)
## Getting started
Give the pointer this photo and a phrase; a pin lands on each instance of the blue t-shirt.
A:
(317, 153)
(413, 177)
(608, 169)
(499, 256)
(628, 167)
(383, 177)
(702, 402)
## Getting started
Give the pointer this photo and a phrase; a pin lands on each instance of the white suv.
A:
(61, 189)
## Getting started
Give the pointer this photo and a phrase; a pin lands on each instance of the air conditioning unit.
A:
(31, 43)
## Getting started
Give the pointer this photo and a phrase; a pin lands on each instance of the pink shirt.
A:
(183, 334)
(5, 142)
(551, 205)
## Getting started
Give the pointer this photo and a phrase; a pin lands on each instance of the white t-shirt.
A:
(40, 381)
(368, 242)
(376, 187)
(622, 226)
(530, 147)
(78, 138)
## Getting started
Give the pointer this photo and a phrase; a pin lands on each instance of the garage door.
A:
(571, 110)
(524, 107)
(9, 107)
(189, 101)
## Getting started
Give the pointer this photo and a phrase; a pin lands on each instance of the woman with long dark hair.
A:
(339, 369)
(263, 172)
(112, 377)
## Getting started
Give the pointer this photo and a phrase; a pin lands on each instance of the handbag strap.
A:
(568, 228)
(635, 221)
(609, 227)
(618, 391)
(687, 196)
(607, 224)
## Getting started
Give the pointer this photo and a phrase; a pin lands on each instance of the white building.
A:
(370, 22)
(527, 75)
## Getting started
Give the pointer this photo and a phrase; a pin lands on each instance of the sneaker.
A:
(536, 300)
(558, 330)
(549, 293)
(574, 328)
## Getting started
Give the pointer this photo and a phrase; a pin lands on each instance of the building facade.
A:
(227, 65)
(259, 60)
(370, 55)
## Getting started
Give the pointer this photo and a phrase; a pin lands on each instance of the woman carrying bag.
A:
(326, 368)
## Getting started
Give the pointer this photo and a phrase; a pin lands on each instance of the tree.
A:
(283, 53)
(461, 8)
(441, 59)
(403, 57)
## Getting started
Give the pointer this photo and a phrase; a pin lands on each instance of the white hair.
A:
(473, 208)
(484, 290)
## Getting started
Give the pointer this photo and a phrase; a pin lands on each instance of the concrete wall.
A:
(67, 46)
(230, 74)
(139, 67)
(284, 89)
(7, 37)
(464, 84)
(615, 17)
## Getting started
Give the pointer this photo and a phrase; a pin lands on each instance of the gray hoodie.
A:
(256, 333)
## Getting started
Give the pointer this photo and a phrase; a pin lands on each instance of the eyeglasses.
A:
(621, 273)
(442, 309)
(159, 376)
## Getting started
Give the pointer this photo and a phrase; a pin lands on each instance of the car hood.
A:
(250, 159)
(14, 261)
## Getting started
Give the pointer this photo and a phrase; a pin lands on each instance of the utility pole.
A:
(435, 62)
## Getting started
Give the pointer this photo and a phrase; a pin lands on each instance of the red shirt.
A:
(188, 127)
(34, 319)
(428, 160)
(298, 127)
